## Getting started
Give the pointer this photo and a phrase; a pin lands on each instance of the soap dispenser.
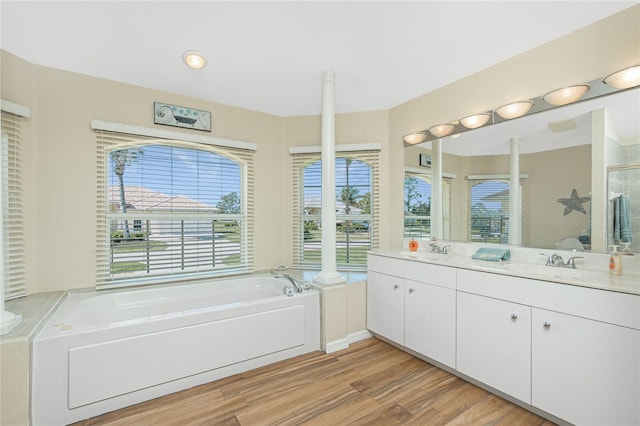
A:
(615, 262)
(627, 250)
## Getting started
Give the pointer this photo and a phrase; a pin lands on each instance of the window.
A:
(171, 209)
(356, 207)
(13, 222)
(417, 206)
(489, 213)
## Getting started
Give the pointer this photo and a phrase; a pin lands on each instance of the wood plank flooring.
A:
(370, 383)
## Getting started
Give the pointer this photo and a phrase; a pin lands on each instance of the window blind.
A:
(357, 207)
(488, 216)
(14, 270)
(178, 209)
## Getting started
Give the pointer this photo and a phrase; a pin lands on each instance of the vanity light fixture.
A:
(442, 130)
(476, 120)
(566, 95)
(415, 138)
(194, 59)
(514, 109)
(624, 79)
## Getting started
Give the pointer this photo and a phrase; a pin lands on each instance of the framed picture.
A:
(173, 115)
(425, 160)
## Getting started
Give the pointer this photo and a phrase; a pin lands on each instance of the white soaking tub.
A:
(101, 351)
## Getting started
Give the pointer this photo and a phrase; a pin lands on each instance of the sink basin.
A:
(556, 272)
(419, 255)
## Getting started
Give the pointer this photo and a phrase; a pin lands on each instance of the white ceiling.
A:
(269, 56)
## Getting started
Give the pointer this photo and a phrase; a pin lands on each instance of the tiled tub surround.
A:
(563, 343)
(15, 355)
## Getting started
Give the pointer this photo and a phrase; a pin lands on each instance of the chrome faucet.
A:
(437, 249)
(557, 261)
(293, 280)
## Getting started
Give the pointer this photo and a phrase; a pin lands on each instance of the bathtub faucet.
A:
(293, 280)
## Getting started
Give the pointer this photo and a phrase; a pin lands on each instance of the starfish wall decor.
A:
(574, 203)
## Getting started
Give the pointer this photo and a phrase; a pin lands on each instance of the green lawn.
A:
(137, 245)
(120, 267)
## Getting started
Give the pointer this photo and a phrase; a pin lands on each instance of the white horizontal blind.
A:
(14, 269)
(488, 217)
(417, 206)
(182, 209)
(357, 206)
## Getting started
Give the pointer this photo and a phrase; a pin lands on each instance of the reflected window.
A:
(489, 214)
(417, 206)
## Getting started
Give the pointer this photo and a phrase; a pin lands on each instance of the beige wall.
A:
(584, 55)
(59, 157)
(14, 382)
(60, 165)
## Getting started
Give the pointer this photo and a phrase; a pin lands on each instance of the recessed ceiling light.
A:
(194, 59)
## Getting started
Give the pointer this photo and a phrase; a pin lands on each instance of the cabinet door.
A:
(385, 306)
(494, 343)
(430, 321)
(585, 371)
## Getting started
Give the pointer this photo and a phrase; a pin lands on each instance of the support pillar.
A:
(515, 210)
(329, 273)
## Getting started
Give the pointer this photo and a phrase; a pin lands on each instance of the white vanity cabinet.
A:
(567, 350)
(414, 305)
(430, 321)
(494, 343)
(385, 306)
(585, 371)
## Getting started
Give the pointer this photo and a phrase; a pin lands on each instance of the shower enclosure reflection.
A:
(623, 204)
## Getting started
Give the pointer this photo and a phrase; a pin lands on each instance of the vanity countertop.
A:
(596, 276)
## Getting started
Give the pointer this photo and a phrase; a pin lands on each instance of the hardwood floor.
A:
(369, 383)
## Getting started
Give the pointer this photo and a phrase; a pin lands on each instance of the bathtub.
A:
(101, 351)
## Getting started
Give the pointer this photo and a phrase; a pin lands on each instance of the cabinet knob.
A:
(546, 324)
(514, 316)
(411, 290)
(395, 286)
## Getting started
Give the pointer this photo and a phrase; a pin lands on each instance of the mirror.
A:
(564, 156)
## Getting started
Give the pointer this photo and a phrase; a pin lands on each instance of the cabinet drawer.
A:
(608, 306)
(442, 276)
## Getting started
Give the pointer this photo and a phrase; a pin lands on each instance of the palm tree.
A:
(120, 159)
(349, 196)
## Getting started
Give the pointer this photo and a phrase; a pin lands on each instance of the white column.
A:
(515, 211)
(8, 320)
(436, 189)
(329, 273)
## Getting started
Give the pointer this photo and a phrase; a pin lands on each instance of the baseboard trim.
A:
(336, 345)
(359, 335)
(340, 344)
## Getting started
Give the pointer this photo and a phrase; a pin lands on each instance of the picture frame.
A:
(425, 160)
(179, 116)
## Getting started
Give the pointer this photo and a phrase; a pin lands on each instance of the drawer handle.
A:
(546, 325)
(514, 316)
(411, 290)
(395, 286)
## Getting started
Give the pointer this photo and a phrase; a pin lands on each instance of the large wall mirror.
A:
(574, 161)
